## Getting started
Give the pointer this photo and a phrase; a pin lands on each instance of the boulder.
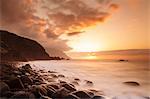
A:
(54, 76)
(98, 97)
(71, 96)
(51, 71)
(16, 72)
(132, 83)
(61, 76)
(3, 88)
(75, 82)
(39, 91)
(50, 79)
(38, 80)
(50, 92)
(82, 94)
(89, 82)
(77, 79)
(8, 94)
(61, 81)
(45, 97)
(16, 84)
(54, 85)
(60, 93)
(26, 67)
(23, 95)
(146, 97)
(90, 93)
(69, 87)
(26, 79)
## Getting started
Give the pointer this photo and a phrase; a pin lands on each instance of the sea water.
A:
(107, 76)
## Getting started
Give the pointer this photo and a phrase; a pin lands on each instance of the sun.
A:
(86, 46)
(91, 56)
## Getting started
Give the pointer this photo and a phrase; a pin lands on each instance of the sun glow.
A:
(91, 56)
(86, 46)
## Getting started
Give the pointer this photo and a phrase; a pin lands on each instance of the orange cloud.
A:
(74, 33)
(62, 17)
(74, 15)
(114, 7)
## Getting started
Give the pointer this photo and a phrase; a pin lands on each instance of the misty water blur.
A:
(106, 76)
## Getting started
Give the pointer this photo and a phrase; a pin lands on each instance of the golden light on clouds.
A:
(86, 46)
(77, 25)
(90, 56)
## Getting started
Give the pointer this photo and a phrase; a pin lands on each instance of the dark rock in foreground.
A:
(132, 83)
(82, 94)
(26, 83)
(3, 88)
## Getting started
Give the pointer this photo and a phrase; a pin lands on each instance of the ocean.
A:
(107, 76)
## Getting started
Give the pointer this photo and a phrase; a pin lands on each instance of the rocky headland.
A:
(17, 48)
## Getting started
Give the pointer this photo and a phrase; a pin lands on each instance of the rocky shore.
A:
(25, 83)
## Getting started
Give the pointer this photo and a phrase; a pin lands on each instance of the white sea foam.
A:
(106, 76)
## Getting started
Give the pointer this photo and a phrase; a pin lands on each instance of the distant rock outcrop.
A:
(16, 48)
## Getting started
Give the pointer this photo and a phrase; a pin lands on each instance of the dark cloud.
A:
(113, 7)
(46, 20)
(18, 16)
(74, 15)
(74, 33)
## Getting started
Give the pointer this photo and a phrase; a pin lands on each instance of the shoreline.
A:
(24, 82)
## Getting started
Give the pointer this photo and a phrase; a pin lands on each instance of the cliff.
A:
(16, 48)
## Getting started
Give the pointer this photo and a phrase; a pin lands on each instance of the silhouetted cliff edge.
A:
(16, 48)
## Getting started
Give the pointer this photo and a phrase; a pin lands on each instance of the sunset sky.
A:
(79, 25)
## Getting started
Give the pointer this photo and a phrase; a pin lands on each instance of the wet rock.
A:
(71, 96)
(27, 74)
(3, 88)
(8, 94)
(50, 79)
(69, 87)
(50, 92)
(23, 95)
(89, 82)
(77, 79)
(82, 94)
(15, 84)
(147, 97)
(90, 93)
(75, 82)
(132, 83)
(26, 79)
(27, 68)
(55, 86)
(45, 97)
(98, 97)
(61, 93)
(16, 72)
(62, 81)
(39, 90)
(51, 71)
(61, 76)
(42, 71)
(54, 76)
(96, 91)
(50, 87)
(38, 80)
